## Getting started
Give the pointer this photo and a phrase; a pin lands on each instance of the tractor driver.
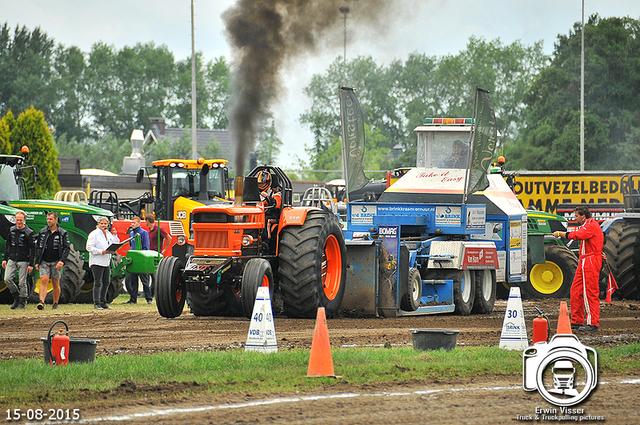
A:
(271, 195)
(271, 201)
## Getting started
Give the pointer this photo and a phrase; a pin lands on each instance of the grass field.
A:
(24, 382)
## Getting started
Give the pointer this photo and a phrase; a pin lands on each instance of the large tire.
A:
(170, 296)
(552, 279)
(464, 290)
(312, 266)
(486, 287)
(71, 281)
(622, 248)
(412, 293)
(257, 273)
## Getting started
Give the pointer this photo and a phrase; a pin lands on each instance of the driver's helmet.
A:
(264, 180)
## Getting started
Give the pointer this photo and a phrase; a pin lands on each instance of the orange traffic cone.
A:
(564, 323)
(320, 362)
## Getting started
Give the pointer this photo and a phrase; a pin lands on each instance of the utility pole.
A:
(194, 121)
(582, 94)
(344, 10)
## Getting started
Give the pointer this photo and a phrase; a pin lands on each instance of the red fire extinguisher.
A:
(540, 327)
(59, 345)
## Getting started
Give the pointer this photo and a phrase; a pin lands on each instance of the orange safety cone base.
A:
(564, 323)
(320, 362)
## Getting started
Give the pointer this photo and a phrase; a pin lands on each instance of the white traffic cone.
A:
(514, 329)
(262, 331)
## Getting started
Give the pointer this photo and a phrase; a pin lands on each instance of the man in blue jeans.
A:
(131, 280)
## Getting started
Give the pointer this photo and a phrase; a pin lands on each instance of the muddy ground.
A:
(138, 329)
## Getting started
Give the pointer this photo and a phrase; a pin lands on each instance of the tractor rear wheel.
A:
(553, 278)
(71, 281)
(410, 301)
(486, 287)
(464, 290)
(170, 297)
(622, 247)
(257, 273)
(312, 266)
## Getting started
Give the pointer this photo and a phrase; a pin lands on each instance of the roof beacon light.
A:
(449, 121)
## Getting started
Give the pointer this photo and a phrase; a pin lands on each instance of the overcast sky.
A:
(434, 27)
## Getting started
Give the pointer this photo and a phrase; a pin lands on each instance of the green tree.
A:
(269, 145)
(127, 87)
(212, 151)
(181, 108)
(32, 130)
(69, 84)
(25, 67)
(551, 139)
(170, 148)
(396, 99)
(105, 152)
(217, 80)
(7, 124)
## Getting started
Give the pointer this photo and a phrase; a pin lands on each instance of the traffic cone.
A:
(320, 362)
(514, 329)
(262, 331)
(564, 323)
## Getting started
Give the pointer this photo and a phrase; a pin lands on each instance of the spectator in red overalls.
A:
(585, 292)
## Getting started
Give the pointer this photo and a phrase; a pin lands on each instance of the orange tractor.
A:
(298, 252)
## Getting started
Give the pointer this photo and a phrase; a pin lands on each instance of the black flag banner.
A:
(352, 140)
(484, 141)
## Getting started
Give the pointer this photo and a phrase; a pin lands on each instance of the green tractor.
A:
(76, 218)
(551, 275)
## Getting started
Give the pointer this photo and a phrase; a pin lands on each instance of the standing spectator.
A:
(131, 280)
(52, 250)
(100, 261)
(19, 255)
(153, 243)
(585, 291)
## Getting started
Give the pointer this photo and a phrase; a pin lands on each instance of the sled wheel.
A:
(485, 297)
(413, 292)
(464, 292)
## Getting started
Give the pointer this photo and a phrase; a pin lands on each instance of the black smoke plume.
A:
(264, 36)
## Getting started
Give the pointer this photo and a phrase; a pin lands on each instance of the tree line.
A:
(93, 100)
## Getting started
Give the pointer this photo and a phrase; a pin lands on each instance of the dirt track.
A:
(129, 329)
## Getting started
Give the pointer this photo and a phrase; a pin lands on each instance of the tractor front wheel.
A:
(257, 273)
(169, 294)
(312, 266)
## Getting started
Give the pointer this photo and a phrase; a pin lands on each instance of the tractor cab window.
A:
(9, 189)
(447, 149)
(186, 183)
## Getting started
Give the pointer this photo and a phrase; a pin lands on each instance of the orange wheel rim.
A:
(178, 290)
(265, 280)
(331, 267)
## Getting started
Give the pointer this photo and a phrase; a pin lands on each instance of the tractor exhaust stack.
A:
(239, 190)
